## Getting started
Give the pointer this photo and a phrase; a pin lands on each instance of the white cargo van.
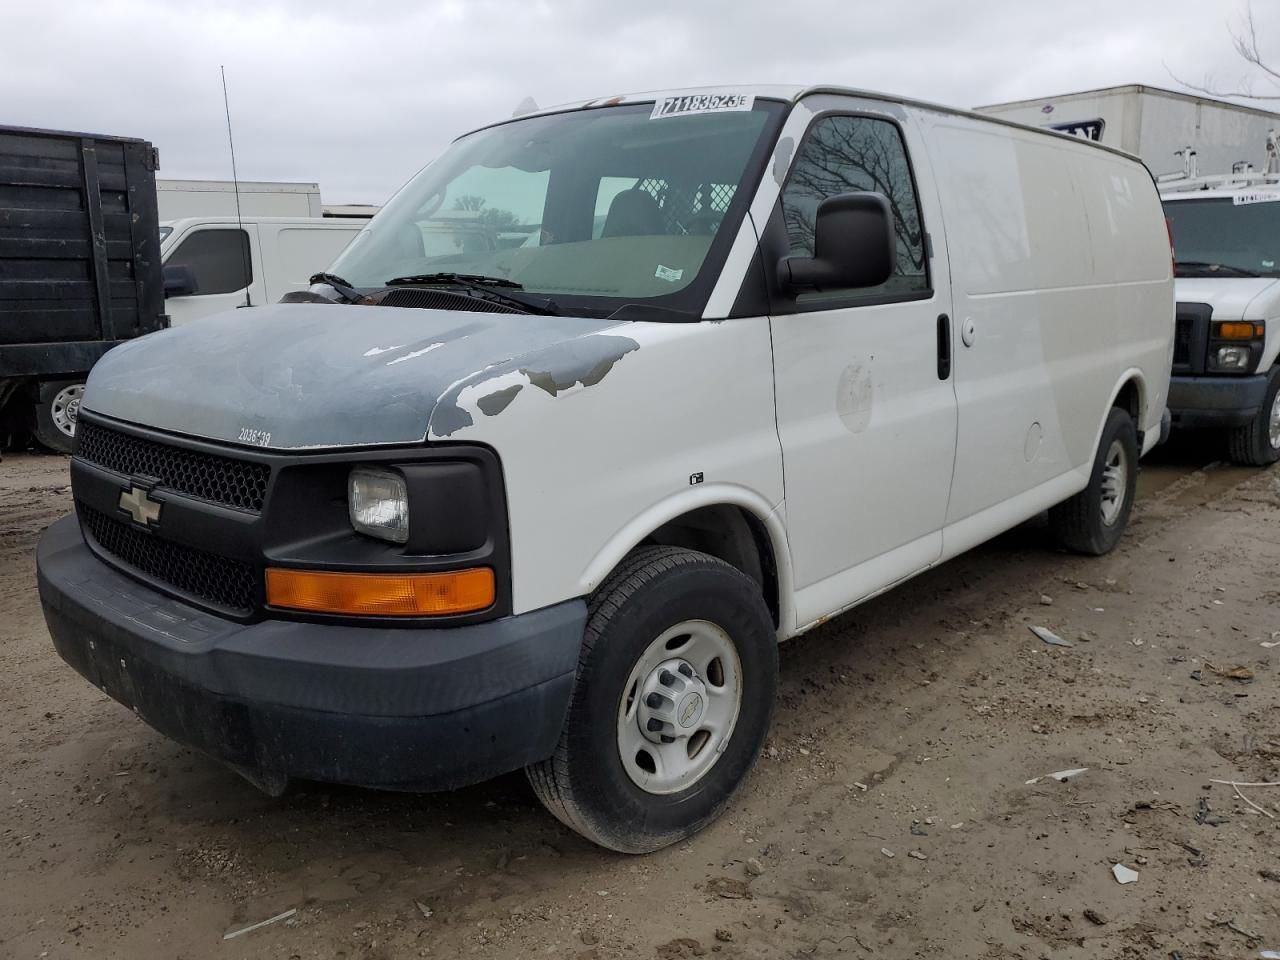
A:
(212, 264)
(705, 369)
(1226, 235)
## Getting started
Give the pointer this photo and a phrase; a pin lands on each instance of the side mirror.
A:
(179, 281)
(853, 245)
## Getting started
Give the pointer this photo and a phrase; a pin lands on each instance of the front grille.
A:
(1182, 335)
(206, 476)
(216, 580)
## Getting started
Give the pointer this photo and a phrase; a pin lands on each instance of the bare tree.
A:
(1245, 40)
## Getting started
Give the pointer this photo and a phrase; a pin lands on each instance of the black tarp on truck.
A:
(79, 267)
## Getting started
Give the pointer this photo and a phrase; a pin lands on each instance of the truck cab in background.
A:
(1226, 238)
(212, 264)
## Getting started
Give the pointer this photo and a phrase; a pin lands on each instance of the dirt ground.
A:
(891, 816)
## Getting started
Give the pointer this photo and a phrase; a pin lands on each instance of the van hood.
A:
(1230, 297)
(307, 375)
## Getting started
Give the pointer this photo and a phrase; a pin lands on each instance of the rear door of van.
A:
(1036, 360)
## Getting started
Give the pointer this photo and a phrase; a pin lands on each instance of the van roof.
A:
(1220, 185)
(791, 93)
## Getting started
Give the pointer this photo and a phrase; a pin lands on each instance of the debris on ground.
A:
(1234, 928)
(1241, 673)
(1123, 874)
(1094, 917)
(1048, 636)
(1273, 875)
(728, 889)
(754, 867)
(1046, 600)
(423, 909)
(917, 855)
(917, 830)
(887, 852)
(723, 935)
(1205, 815)
(260, 924)
(1062, 776)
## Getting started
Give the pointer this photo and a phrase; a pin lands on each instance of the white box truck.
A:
(178, 199)
(1154, 124)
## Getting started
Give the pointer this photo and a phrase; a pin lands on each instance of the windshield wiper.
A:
(344, 289)
(1216, 268)
(487, 287)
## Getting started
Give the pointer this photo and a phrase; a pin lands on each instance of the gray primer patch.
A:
(855, 397)
(315, 375)
(494, 403)
(585, 360)
(782, 159)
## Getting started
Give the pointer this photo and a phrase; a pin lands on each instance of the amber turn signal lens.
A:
(1239, 331)
(381, 595)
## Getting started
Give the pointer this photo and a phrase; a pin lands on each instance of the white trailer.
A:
(1157, 125)
(178, 199)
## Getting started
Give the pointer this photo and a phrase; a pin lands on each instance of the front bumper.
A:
(398, 708)
(1205, 401)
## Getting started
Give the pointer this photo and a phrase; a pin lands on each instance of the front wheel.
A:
(1257, 443)
(671, 705)
(56, 414)
(1093, 520)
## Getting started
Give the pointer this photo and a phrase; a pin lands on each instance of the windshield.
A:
(1221, 237)
(593, 208)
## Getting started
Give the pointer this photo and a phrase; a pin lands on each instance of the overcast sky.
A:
(358, 95)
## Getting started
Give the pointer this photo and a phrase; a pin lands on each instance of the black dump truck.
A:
(79, 269)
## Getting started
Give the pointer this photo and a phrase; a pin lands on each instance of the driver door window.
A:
(845, 154)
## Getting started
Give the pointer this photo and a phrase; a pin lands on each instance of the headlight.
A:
(378, 502)
(1232, 358)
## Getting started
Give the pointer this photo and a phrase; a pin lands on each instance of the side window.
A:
(218, 259)
(848, 155)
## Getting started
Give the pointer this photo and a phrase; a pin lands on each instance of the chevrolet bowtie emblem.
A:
(138, 504)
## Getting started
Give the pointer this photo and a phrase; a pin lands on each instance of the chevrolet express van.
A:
(720, 365)
(1226, 235)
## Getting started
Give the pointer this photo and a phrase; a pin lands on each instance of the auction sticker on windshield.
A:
(1240, 199)
(701, 103)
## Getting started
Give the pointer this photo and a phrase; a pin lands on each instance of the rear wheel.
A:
(1257, 443)
(672, 702)
(1093, 520)
(56, 414)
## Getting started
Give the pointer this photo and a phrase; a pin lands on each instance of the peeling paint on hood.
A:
(329, 375)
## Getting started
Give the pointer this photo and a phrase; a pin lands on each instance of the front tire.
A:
(671, 705)
(1093, 521)
(1257, 443)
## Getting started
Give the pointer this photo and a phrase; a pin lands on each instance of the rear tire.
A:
(1257, 443)
(634, 686)
(55, 415)
(1093, 521)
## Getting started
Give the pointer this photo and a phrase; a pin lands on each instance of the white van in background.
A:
(1226, 237)
(212, 264)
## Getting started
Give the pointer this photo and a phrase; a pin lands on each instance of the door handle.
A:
(944, 346)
